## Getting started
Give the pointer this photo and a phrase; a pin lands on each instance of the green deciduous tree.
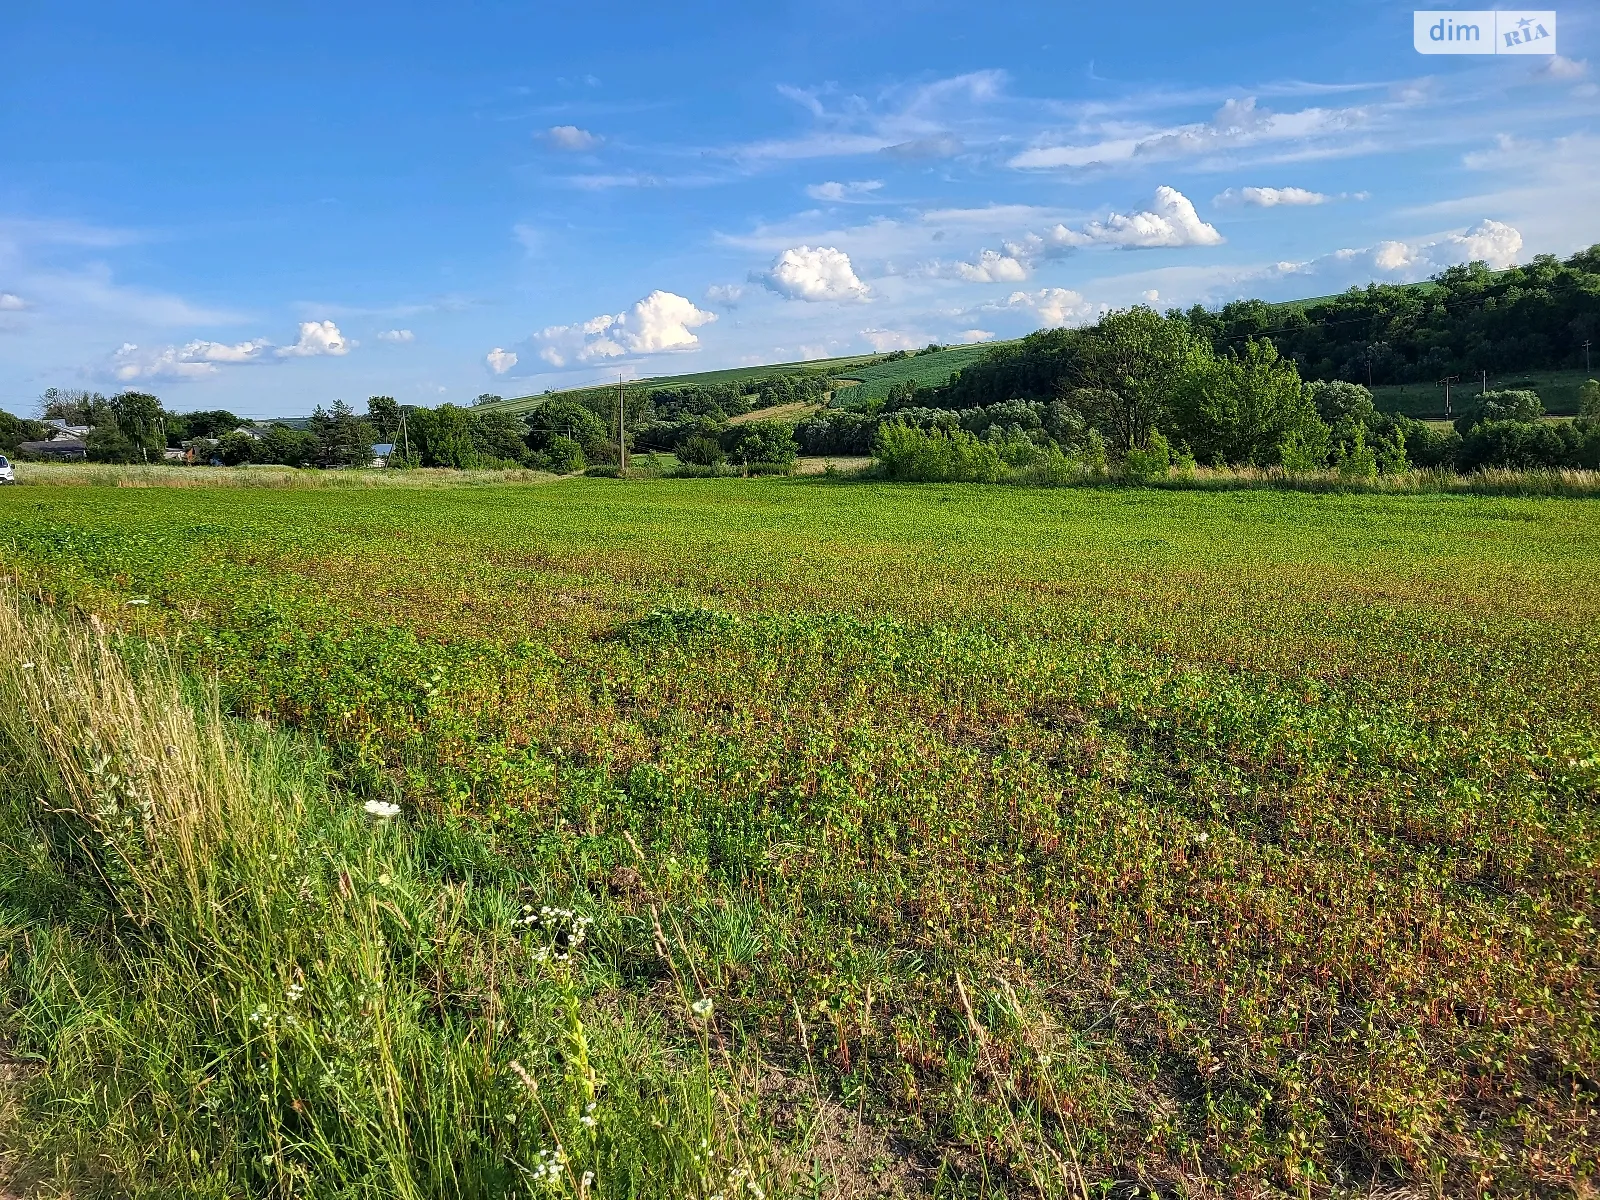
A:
(236, 449)
(1241, 407)
(127, 428)
(1132, 361)
(769, 442)
(1589, 401)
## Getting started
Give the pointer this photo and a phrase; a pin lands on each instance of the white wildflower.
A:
(138, 601)
(702, 1007)
(381, 809)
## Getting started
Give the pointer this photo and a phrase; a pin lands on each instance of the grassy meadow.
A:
(1558, 390)
(799, 837)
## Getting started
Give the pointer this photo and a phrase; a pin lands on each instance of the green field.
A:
(925, 370)
(1028, 842)
(831, 366)
(1558, 390)
(928, 370)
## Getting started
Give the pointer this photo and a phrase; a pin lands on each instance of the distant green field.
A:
(831, 366)
(1558, 390)
(927, 370)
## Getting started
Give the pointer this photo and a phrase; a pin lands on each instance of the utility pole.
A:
(1447, 381)
(622, 428)
(1483, 385)
(1586, 367)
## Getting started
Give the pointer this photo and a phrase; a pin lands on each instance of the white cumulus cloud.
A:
(843, 191)
(970, 336)
(397, 336)
(183, 362)
(500, 361)
(11, 302)
(317, 338)
(570, 137)
(993, 267)
(1489, 241)
(1053, 307)
(660, 322)
(1170, 221)
(812, 274)
(724, 295)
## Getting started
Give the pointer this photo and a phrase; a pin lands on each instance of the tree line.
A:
(1138, 378)
(563, 434)
(1544, 315)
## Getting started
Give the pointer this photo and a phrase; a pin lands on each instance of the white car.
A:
(8, 473)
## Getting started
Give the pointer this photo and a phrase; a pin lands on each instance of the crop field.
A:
(518, 404)
(1087, 842)
(926, 370)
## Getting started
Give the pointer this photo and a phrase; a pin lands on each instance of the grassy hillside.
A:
(1089, 842)
(1558, 390)
(926, 370)
(828, 366)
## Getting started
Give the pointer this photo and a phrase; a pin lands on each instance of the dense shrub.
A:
(937, 455)
(1526, 445)
(564, 456)
(701, 450)
(1509, 405)
(762, 442)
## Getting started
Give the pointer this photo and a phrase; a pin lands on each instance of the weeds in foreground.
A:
(273, 477)
(235, 982)
(1058, 471)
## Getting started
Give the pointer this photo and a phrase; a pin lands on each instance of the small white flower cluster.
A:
(565, 928)
(702, 1008)
(742, 1175)
(587, 1120)
(260, 1014)
(547, 1171)
(382, 810)
(295, 991)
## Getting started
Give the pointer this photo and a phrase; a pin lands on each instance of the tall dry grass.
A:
(235, 982)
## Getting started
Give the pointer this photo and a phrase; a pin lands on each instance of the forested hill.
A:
(1469, 319)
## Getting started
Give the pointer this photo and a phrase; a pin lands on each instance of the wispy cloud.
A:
(1281, 197)
(834, 192)
(922, 120)
(1240, 122)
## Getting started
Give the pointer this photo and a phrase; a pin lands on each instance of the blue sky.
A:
(269, 206)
